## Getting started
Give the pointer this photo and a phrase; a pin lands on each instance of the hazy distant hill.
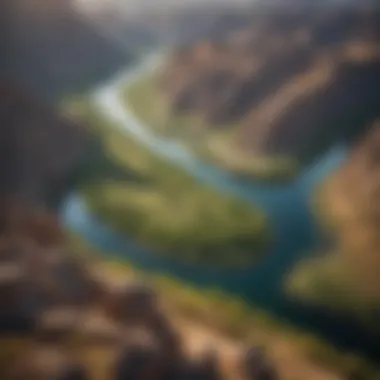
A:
(51, 49)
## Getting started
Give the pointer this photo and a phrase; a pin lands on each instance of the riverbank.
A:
(211, 142)
(343, 274)
(169, 211)
(297, 354)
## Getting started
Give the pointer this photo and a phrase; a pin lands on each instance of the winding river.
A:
(287, 208)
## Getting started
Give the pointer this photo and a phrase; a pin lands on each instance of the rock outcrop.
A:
(292, 82)
(257, 366)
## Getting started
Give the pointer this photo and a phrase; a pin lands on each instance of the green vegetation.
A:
(327, 280)
(143, 99)
(239, 321)
(273, 169)
(169, 211)
(213, 143)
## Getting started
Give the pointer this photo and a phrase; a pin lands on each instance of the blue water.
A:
(286, 206)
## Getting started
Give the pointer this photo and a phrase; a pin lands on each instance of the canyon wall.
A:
(291, 80)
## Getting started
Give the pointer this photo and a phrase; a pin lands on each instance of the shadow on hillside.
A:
(97, 167)
(54, 53)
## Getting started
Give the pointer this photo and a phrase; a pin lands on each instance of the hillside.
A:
(289, 83)
(346, 276)
(38, 149)
(51, 50)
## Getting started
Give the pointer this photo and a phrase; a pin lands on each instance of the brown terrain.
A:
(76, 323)
(292, 82)
(348, 203)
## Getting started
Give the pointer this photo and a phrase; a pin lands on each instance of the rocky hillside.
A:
(65, 314)
(292, 81)
(349, 207)
(38, 149)
(50, 49)
(65, 320)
